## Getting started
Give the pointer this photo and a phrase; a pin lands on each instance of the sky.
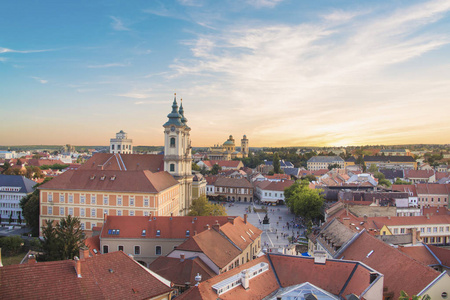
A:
(282, 72)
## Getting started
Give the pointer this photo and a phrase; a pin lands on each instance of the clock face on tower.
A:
(172, 128)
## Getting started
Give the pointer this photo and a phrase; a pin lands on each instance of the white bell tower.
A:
(177, 154)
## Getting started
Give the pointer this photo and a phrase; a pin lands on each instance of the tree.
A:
(333, 166)
(399, 181)
(373, 168)
(63, 240)
(202, 207)
(215, 169)
(310, 177)
(304, 201)
(381, 179)
(11, 244)
(276, 163)
(404, 296)
(195, 167)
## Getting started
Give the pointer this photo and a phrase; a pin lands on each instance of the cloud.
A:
(3, 59)
(43, 81)
(7, 50)
(135, 95)
(118, 25)
(195, 3)
(111, 65)
(264, 3)
(312, 74)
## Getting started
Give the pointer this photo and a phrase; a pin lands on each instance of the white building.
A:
(271, 191)
(121, 144)
(12, 189)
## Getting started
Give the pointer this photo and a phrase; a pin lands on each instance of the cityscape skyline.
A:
(283, 73)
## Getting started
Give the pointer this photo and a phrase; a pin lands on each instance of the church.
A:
(227, 151)
(123, 184)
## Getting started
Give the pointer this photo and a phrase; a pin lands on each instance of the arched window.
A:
(172, 142)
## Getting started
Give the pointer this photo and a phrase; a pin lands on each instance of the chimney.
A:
(195, 232)
(182, 257)
(245, 218)
(216, 226)
(84, 252)
(414, 235)
(77, 266)
(346, 221)
(245, 279)
(231, 220)
(428, 216)
(31, 259)
(207, 227)
(320, 257)
(389, 217)
(365, 218)
(105, 216)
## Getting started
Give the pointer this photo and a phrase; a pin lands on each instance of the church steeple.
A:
(181, 112)
(174, 116)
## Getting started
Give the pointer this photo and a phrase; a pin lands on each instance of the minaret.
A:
(177, 154)
(244, 146)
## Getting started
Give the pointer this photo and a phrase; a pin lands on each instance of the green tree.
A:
(276, 163)
(304, 201)
(333, 166)
(399, 181)
(202, 207)
(215, 169)
(63, 240)
(195, 167)
(382, 179)
(373, 168)
(404, 296)
(11, 245)
(309, 177)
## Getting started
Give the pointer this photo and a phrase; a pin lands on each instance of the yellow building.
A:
(227, 151)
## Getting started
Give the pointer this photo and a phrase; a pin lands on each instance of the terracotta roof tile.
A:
(442, 254)
(132, 162)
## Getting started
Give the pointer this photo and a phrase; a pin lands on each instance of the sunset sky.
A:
(283, 72)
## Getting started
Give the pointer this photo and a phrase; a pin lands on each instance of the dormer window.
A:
(143, 232)
(188, 233)
(158, 232)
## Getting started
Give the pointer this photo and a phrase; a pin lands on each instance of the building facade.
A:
(227, 151)
(322, 162)
(12, 189)
(121, 144)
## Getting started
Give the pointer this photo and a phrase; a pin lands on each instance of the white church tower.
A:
(177, 154)
(121, 144)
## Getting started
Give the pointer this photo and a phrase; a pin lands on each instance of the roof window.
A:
(143, 232)
(113, 178)
(158, 232)
(103, 177)
(188, 233)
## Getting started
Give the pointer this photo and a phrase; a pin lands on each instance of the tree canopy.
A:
(276, 163)
(304, 201)
(63, 240)
(202, 207)
(399, 181)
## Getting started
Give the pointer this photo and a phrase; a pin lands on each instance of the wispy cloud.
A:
(135, 95)
(110, 65)
(117, 24)
(38, 79)
(297, 71)
(7, 50)
(264, 3)
(3, 59)
(196, 3)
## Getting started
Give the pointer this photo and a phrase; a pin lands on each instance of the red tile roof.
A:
(420, 253)
(43, 162)
(170, 227)
(424, 174)
(214, 245)
(400, 271)
(442, 254)
(110, 276)
(408, 188)
(179, 272)
(240, 229)
(112, 181)
(93, 243)
(278, 176)
(413, 220)
(223, 163)
(117, 162)
(233, 182)
(276, 185)
(433, 189)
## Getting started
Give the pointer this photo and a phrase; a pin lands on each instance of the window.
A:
(82, 226)
(187, 233)
(82, 212)
(105, 212)
(93, 212)
(143, 232)
(119, 212)
(172, 167)
(158, 250)
(82, 199)
(402, 230)
(172, 142)
(61, 211)
(145, 213)
(441, 229)
(105, 249)
(422, 230)
(105, 200)
(131, 200)
(93, 199)
(50, 210)
(429, 229)
(131, 212)
(137, 250)
(146, 201)
(50, 197)
(158, 232)
(61, 198)
(395, 230)
(434, 229)
(447, 229)
(92, 226)
(119, 200)
(70, 198)
(71, 211)
(112, 147)
(120, 248)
